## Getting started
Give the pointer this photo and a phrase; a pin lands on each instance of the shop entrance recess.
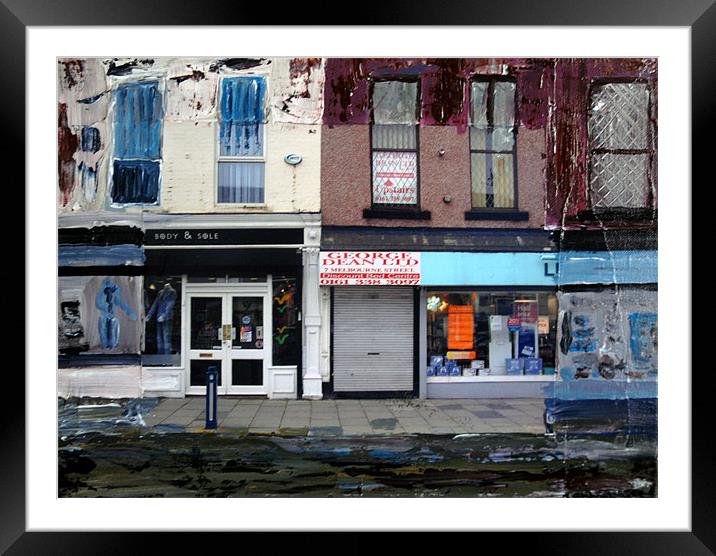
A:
(227, 328)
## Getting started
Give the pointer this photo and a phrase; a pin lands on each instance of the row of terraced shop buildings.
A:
(433, 228)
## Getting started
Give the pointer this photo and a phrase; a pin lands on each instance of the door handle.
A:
(373, 353)
(227, 331)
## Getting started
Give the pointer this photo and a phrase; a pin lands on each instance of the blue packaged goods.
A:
(533, 366)
(514, 366)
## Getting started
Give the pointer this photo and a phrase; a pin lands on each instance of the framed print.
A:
(359, 279)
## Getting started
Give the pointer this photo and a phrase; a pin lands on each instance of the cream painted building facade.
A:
(192, 188)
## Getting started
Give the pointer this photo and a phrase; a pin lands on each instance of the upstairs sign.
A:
(369, 268)
(395, 178)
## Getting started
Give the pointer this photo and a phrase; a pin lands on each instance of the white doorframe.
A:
(228, 353)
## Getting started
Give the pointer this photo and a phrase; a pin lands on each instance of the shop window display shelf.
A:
(492, 378)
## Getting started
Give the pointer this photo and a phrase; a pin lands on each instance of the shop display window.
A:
(489, 333)
(162, 321)
(286, 335)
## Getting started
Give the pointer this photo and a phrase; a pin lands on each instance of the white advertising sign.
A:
(369, 268)
(395, 178)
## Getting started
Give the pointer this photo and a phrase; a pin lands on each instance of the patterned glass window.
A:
(394, 141)
(241, 140)
(620, 145)
(492, 143)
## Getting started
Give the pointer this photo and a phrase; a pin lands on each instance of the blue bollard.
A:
(212, 378)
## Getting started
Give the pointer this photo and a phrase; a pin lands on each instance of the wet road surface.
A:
(107, 450)
(221, 465)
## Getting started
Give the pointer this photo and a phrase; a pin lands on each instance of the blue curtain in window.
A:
(242, 115)
(138, 115)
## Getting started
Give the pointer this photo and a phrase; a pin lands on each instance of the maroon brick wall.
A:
(552, 147)
(346, 185)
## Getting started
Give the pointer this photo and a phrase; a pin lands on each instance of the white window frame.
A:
(218, 158)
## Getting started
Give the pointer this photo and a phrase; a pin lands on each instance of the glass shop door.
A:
(246, 355)
(227, 330)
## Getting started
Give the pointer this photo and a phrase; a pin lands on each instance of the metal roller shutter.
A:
(372, 339)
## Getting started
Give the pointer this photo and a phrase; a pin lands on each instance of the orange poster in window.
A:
(461, 327)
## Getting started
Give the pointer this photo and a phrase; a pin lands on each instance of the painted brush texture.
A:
(106, 450)
(100, 255)
(604, 335)
(115, 116)
(83, 104)
(106, 310)
(443, 84)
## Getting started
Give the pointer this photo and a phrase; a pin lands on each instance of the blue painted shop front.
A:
(608, 370)
(553, 281)
(488, 324)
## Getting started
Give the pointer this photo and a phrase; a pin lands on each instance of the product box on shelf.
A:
(533, 366)
(514, 366)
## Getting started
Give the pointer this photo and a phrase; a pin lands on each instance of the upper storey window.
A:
(241, 162)
(621, 149)
(394, 144)
(136, 164)
(492, 143)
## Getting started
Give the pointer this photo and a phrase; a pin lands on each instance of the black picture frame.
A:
(16, 15)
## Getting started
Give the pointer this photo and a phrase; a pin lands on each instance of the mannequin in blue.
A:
(108, 297)
(163, 307)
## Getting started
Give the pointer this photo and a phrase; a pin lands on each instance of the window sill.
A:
(399, 214)
(240, 205)
(497, 214)
(617, 215)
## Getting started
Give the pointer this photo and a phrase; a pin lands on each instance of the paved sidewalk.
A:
(356, 417)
